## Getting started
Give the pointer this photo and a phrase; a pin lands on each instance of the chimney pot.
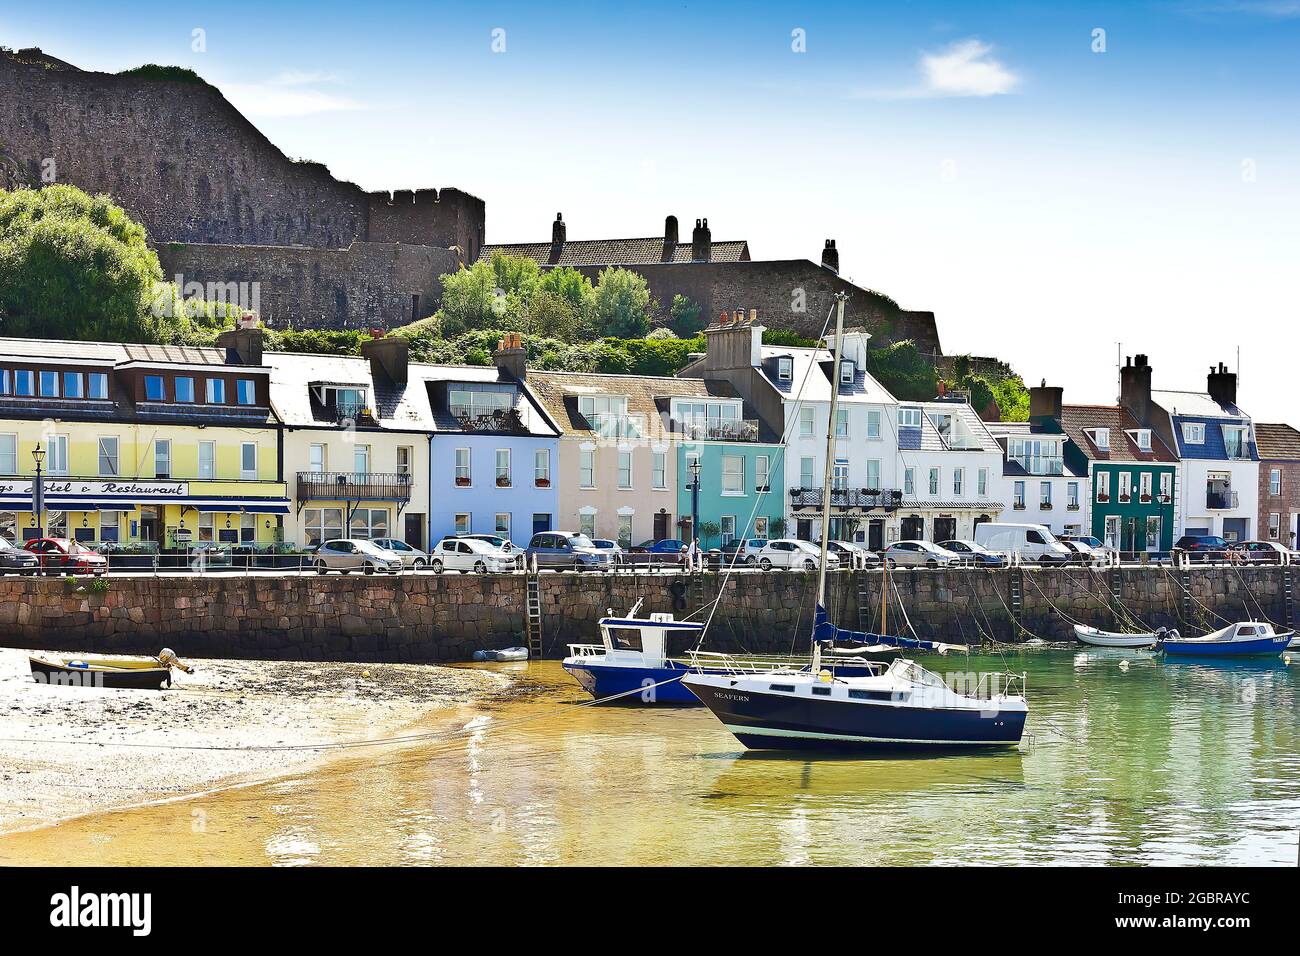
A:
(558, 231)
(831, 256)
(701, 241)
(511, 357)
(670, 230)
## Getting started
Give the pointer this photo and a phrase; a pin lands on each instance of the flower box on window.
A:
(1145, 499)
(762, 489)
(1072, 507)
(1165, 499)
(1044, 506)
(1019, 505)
(462, 482)
(1103, 497)
(1125, 499)
(542, 482)
(503, 481)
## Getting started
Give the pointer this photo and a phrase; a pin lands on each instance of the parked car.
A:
(1263, 552)
(1202, 547)
(64, 556)
(853, 555)
(791, 553)
(496, 540)
(355, 554)
(663, 551)
(1099, 548)
(464, 553)
(1033, 542)
(411, 557)
(973, 554)
(742, 551)
(18, 560)
(612, 547)
(919, 554)
(568, 549)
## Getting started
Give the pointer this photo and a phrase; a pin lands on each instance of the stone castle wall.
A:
(446, 618)
(773, 287)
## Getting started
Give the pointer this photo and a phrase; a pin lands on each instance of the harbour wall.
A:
(448, 617)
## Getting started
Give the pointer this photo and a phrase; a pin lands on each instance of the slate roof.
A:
(598, 252)
(1077, 419)
(438, 379)
(1195, 404)
(1277, 441)
(1214, 448)
(864, 390)
(397, 408)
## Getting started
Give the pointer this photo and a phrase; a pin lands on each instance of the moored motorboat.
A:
(1099, 638)
(630, 664)
(137, 673)
(1250, 639)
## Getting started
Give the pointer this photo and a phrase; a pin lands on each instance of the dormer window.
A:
(1235, 438)
(345, 400)
(784, 369)
(97, 385)
(1101, 438)
(1142, 438)
(153, 388)
(909, 418)
(1194, 433)
(847, 371)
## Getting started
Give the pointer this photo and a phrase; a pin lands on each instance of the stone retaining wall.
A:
(446, 618)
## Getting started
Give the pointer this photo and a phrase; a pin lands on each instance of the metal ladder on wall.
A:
(533, 608)
(1185, 577)
(1016, 592)
(864, 601)
(1288, 599)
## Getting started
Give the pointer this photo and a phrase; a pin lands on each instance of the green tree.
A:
(76, 266)
(469, 299)
(622, 304)
(684, 317)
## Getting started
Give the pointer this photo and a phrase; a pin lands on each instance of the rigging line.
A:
(1251, 593)
(1195, 599)
(780, 456)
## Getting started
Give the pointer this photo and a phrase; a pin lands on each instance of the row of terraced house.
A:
(177, 447)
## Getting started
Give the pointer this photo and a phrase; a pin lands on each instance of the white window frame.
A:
(1274, 526)
(463, 522)
(541, 467)
(841, 423)
(982, 483)
(762, 473)
(733, 476)
(1167, 485)
(1274, 482)
(215, 391)
(586, 468)
(1145, 489)
(504, 469)
(935, 476)
(56, 458)
(188, 399)
(807, 469)
(405, 456)
(8, 453)
(624, 535)
(727, 526)
(659, 470)
(1018, 494)
(502, 527)
(462, 468)
(1101, 438)
(246, 391)
(625, 469)
(807, 426)
(246, 473)
(1194, 433)
(873, 473)
(873, 424)
(784, 369)
(1125, 490)
(1045, 493)
(208, 468)
(958, 482)
(1103, 485)
(909, 481)
(163, 445)
(109, 448)
(909, 417)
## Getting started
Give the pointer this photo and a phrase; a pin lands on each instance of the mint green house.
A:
(741, 489)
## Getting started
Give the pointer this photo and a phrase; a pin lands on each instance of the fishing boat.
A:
(899, 705)
(630, 664)
(1251, 639)
(137, 673)
(1099, 638)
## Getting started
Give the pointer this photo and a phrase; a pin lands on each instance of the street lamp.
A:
(694, 465)
(38, 490)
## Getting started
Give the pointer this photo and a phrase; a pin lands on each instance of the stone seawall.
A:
(446, 618)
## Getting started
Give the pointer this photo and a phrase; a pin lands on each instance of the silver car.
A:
(411, 557)
(353, 554)
(18, 560)
(919, 554)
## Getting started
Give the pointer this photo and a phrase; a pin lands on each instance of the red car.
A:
(62, 556)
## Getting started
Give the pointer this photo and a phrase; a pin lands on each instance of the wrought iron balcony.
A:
(888, 499)
(353, 486)
(716, 429)
(1036, 465)
(349, 412)
(617, 426)
(501, 420)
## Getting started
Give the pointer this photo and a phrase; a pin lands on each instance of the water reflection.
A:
(1133, 760)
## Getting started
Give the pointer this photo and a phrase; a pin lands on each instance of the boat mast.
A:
(830, 446)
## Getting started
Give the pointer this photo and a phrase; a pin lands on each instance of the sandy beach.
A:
(67, 751)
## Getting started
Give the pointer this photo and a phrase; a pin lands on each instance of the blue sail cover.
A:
(827, 633)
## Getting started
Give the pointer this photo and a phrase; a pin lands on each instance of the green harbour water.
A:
(1133, 760)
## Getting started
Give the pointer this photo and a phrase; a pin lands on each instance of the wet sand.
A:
(69, 751)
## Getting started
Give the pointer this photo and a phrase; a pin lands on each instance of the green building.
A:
(742, 488)
(1133, 478)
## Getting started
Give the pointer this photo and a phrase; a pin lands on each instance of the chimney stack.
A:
(831, 256)
(389, 357)
(1045, 402)
(511, 357)
(558, 232)
(701, 241)
(1222, 385)
(670, 231)
(243, 345)
(1135, 388)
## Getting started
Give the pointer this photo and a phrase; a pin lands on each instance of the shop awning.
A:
(267, 506)
(260, 506)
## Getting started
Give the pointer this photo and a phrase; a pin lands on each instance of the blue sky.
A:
(1045, 200)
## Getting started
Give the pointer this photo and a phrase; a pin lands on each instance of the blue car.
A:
(973, 554)
(665, 551)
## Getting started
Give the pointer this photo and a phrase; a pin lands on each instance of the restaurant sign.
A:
(81, 488)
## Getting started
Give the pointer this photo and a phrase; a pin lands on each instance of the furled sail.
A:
(825, 632)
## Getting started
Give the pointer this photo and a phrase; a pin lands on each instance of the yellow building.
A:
(158, 446)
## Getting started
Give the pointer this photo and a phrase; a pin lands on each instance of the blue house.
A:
(494, 453)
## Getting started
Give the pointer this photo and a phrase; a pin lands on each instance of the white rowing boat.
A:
(1099, 638)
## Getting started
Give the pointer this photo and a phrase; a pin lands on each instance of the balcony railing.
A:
(1041, 466)
(353, 486)
(1221, 500)
(866, 498)
(479, 419)
(716, 429)
(343, 412)
(617, 426)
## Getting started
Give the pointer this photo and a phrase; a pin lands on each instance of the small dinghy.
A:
(1099, 638)
(1251, 639)
(135, 673)
(504, 654)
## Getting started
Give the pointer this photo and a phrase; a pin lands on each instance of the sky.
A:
(1055, 181)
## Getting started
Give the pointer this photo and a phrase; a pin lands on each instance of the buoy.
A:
(365, 674)
(824, 677)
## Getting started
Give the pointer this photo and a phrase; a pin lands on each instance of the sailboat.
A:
(899, 705)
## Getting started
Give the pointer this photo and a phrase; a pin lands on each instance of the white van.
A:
(1033, 542)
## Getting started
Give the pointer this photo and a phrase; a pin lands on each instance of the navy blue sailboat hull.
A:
(777, 721)
(634, 685)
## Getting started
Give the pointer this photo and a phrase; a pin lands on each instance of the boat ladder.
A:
(534, 618)
(1016, 591)
(1186, 576)
(1288, 595)
(864, 602)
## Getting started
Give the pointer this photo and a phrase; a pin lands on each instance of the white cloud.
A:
(963, 68)
(288, 93)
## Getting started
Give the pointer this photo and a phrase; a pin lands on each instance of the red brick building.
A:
(1279, 483)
